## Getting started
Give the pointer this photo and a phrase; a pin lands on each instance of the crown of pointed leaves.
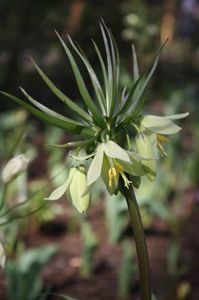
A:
(109, 115)
(108, 108)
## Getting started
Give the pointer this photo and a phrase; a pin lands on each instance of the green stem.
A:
(142, 254)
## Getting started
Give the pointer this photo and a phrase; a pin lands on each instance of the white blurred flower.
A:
(2, 256)
(14, 167)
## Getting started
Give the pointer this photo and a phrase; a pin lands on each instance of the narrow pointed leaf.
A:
(75, 144)
(115, 65)
(138, 100)
(128, 101)
(82, 87)
(104, 72)
(48, 111)
(110, 71)
(135, 65)
(95, 82)
(44, 117)
(65, 99)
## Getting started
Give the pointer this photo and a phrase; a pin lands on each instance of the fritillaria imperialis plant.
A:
(119, 142)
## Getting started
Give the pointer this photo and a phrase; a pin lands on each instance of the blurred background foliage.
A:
(169, 206)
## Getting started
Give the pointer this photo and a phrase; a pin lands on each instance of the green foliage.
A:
(90, 242)
(24, 274)
(127, 271)
(173, 260)
(116, 216)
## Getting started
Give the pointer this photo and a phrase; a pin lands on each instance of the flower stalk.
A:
(140, 242)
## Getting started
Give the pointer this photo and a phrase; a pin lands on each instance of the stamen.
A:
(127, 182)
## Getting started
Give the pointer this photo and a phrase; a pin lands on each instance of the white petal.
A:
(95, 168)
(2, 256)
(113, 150)
(178, 116)
(59, 192)
(78, 184)
(161, 125)
(145, 146)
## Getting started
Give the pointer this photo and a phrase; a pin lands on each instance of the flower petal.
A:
(177, 116)
(133, 168)
(95, 168)
(162, 125)
(2, 256)
(145, 146)
(113, 150)
(113, 184)
(77, 185)
(59, 192)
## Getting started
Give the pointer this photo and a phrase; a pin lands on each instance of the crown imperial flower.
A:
(104, 124)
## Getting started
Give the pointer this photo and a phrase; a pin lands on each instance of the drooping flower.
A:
(112, 162)
(73, 187)
(151, 137)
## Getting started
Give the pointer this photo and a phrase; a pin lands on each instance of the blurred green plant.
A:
(116, 216)
(90, 242)
(24, 275)
(127, 271)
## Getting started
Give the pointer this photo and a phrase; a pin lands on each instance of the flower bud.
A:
(14, 167)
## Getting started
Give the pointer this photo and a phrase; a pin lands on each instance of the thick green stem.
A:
(142, 254)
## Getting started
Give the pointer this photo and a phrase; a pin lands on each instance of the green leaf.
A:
(95, 82)
(104, 72)
(46, 118)
(75, 144)
(65, 99)
(135, 65)
(109, 95)
(82, 88)
(128, 101)
(138, 100)
(48, 111)
(115, 68)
